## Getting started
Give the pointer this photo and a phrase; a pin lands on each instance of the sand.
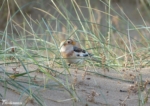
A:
(91, 90)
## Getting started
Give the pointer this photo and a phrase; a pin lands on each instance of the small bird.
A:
(71, 53)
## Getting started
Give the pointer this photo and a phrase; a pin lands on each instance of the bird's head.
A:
(67, 42)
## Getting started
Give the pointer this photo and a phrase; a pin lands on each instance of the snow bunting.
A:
(71, 53)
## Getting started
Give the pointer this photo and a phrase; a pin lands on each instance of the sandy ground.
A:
(93, 90)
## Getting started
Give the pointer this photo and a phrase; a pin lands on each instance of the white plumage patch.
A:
(67, 48)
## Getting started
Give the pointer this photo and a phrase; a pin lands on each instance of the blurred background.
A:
(20, 12)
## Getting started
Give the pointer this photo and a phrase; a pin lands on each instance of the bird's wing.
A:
(82, 51)
(76, 49)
